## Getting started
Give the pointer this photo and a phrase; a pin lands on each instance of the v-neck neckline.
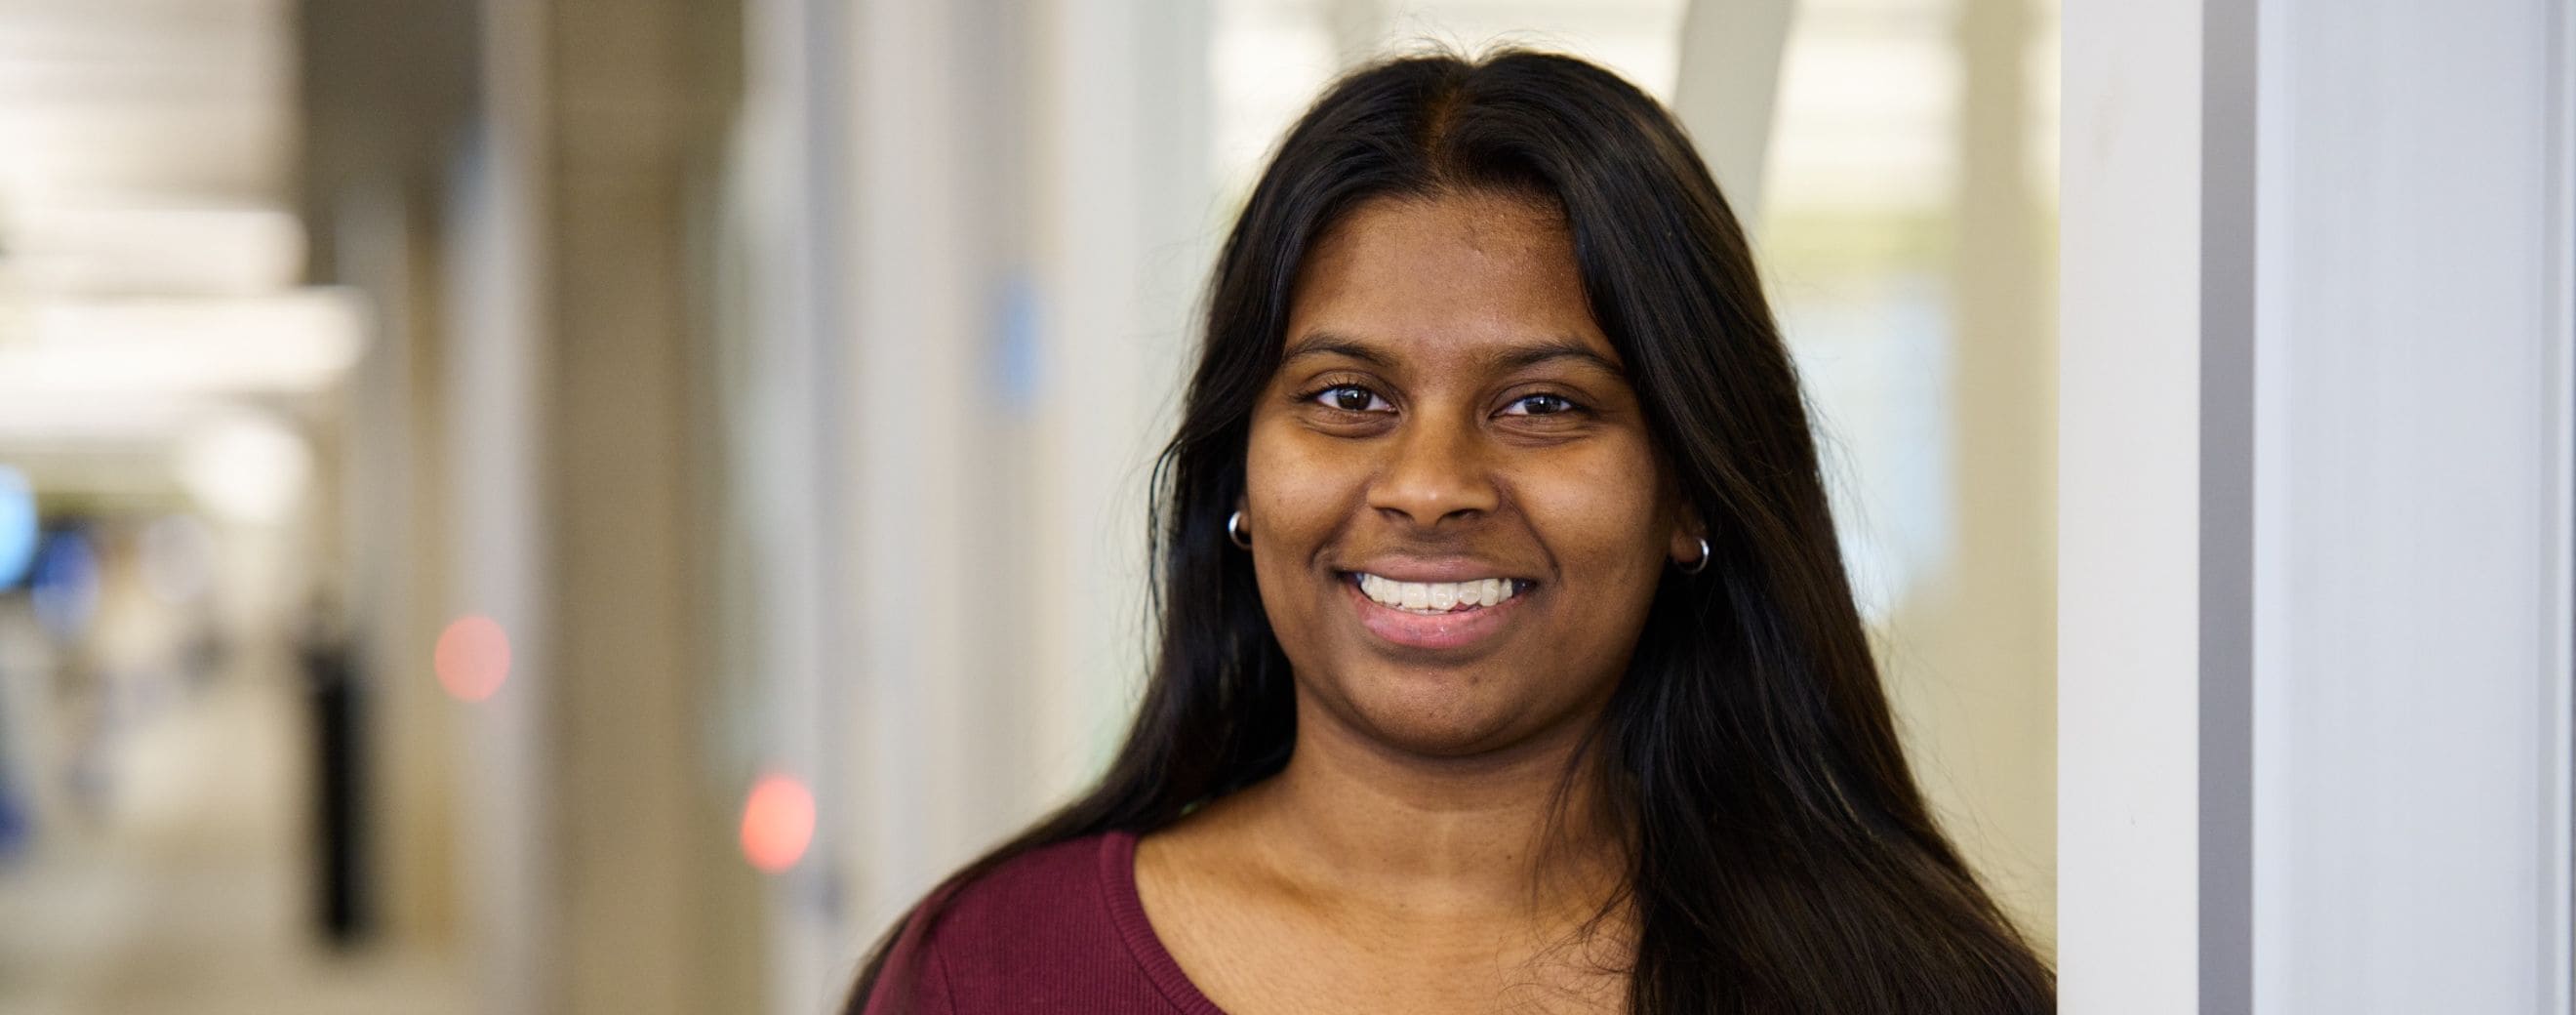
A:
(1127, 911)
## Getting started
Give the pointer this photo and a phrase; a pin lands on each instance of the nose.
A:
(1435, 471)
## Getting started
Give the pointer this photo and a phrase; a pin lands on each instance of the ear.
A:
(1683, 547)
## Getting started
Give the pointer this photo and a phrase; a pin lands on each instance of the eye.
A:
(1350, 398)
(1539, 405)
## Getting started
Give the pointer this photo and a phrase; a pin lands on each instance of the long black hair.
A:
(1783, 859)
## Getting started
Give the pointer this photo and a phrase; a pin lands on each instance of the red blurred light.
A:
(473, 657)
(777, 823)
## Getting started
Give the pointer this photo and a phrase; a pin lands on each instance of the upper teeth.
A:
(1436, 597)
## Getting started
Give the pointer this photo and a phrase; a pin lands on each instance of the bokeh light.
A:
(473, 657)
(64, 585)
(18, 530)
(246, 467)
(777, 823)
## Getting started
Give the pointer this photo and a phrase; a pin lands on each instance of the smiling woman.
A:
(1508, 662)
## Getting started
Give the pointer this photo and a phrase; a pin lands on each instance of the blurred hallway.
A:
(190, 891)
(657, 399)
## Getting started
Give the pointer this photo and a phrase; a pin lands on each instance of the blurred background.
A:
(592, 505)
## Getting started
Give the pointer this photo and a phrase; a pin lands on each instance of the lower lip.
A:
(1454, 630)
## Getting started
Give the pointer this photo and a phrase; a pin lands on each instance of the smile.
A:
(1436, 598)
(1442, 618)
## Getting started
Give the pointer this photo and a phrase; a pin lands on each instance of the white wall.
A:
(2411, 463)
(2315, 507)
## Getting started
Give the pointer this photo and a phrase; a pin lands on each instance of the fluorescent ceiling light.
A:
(298, 342)
(110, 249)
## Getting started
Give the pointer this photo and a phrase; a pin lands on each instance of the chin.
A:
(1443, 716)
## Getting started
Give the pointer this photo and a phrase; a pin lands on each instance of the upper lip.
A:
(1433, 569)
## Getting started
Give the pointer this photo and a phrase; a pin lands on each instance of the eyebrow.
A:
(1518, 357)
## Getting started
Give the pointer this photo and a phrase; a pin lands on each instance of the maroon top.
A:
(1055, 931)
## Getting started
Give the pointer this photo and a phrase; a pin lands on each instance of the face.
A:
(1457, 516)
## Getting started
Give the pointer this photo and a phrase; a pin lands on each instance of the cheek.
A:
(1295, 499)
(1598, 508)
(1604, 525)
(1295, 495)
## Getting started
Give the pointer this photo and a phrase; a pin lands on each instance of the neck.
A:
(1458, 836)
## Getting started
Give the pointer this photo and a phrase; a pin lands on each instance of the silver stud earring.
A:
(1234, 530)
(1696, 566)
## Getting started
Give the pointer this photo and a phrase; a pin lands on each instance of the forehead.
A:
(1457, 274)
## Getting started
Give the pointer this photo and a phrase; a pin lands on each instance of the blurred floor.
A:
(189, 893)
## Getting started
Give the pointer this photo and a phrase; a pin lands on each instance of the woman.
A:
(1507, 658)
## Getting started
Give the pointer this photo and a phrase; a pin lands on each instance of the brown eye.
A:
(1351, 398)
(1539, 405)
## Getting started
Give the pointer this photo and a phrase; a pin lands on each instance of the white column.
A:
(2128, 509)
(1728, 90)
(917, 287)
(787, 605)
(1127, 229)
(493, 373)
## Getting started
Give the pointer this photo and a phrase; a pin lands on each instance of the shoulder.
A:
(1042, 931)
(1061, 886)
